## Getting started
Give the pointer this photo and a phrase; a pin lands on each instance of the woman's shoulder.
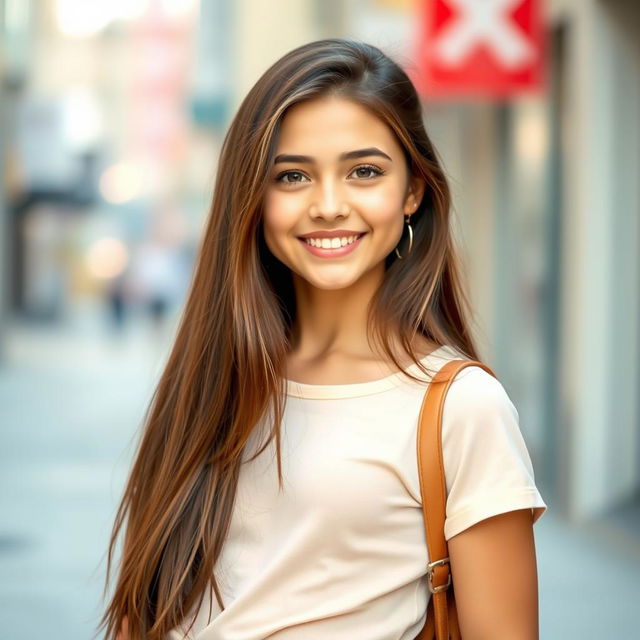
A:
(474, 374)
(439, 356)
(474, 390)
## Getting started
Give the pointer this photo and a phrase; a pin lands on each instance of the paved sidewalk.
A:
(70, 402)
(589, 581)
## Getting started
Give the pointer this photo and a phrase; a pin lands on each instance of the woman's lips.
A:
(332, 253)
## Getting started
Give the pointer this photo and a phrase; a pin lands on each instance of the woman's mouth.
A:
(332, 247)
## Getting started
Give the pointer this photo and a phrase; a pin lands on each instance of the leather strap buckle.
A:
(430, 567)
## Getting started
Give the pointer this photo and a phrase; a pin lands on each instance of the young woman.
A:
(275, 491)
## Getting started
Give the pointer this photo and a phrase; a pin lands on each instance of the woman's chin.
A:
(334, 282)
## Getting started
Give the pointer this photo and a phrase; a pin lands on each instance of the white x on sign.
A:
(484, 21)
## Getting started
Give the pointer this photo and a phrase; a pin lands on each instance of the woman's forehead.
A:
(332, 126)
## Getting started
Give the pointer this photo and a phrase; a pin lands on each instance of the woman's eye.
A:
(365, 171)
(285, 174)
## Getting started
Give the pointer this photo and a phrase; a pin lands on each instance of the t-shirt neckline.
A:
(355, 389)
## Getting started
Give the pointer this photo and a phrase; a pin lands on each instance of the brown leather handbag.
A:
(442, 616)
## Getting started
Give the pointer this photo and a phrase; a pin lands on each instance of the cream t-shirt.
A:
(340, 553)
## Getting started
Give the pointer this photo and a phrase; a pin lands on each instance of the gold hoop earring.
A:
(410, 239)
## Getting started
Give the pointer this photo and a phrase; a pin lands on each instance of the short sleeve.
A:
(488, 469)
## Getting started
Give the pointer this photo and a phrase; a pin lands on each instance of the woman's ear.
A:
(415, 193)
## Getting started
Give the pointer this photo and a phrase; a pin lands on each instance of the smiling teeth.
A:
(330, 243)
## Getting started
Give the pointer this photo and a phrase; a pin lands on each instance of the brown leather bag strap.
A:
(434, 490)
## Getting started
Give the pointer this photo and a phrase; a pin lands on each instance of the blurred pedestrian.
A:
(116, 297)
(157, 279)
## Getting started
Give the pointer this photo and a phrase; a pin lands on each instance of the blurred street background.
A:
(111, 119)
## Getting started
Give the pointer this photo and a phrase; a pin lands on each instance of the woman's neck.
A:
(329, 340)
(333, 321)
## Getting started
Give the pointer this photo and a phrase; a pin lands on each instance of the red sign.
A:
(479, 48)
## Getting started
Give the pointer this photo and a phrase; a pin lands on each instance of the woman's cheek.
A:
(279, 220)
(380, 205)
(281, 211)
(383, 215)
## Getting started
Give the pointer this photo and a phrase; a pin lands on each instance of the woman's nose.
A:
(329, 204)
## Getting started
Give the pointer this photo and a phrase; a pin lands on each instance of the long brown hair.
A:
(227, 365)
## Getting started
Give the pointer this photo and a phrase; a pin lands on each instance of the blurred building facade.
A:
(547, 202)
(550, 212)
(104, 147)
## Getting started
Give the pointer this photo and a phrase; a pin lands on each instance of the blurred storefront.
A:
(109, 136)
(595, 196)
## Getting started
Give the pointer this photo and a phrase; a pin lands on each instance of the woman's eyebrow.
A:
(348, 155)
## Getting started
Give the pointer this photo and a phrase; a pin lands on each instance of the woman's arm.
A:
(494, 570)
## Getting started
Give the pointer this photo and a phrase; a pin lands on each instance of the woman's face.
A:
(338, 168)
